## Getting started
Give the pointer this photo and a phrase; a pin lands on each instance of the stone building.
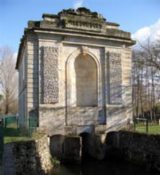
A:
(75, 73)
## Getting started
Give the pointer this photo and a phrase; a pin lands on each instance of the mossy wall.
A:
(141, 149)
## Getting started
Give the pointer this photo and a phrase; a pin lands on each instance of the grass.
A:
(152, 128)
(13, 134)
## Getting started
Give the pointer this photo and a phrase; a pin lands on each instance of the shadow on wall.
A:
(85, 145)
(25, 159)
(32, 157)
(119, 118)
(66, 149)
(74, 149)
(137, 148)
(52, 120)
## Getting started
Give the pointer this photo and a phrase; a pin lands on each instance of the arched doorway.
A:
(86, 81)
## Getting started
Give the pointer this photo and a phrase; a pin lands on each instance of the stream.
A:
(102, 168)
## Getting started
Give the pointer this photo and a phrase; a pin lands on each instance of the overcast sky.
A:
(140, 17)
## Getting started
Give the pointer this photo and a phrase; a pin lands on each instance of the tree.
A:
(8, 81)
(146, 76)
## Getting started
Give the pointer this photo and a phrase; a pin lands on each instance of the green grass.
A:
(152, 128)
(13, 134)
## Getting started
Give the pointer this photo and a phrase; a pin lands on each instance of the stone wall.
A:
(72, 149)
(52, 119)
(49, 77)
(118, 118)
(141, 149)
(55, 119)
(32, 157)
(93, 146)
(83, 115)
(67, 149)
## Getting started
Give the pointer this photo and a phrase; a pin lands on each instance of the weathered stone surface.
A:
(70, 79)
(49, 79)
(141, 149)
(52, 120)
(67, 149)
(115, 78)
(72, 150)
(117, 118)
(80, 19)
(83, 115)
(30, 157)
(93, 146)
(56, 146)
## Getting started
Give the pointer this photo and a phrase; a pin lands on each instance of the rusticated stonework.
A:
(50, 75)
(115, 78)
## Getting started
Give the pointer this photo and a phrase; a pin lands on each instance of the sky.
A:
(140, 17)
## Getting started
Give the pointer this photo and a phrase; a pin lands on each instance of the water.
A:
(102, 168)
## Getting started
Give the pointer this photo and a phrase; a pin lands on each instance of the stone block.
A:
(56, 146)
(72, 150)
(67, 149)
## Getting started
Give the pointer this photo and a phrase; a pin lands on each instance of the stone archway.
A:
(86, 81)
(71, 77)
(83, 88)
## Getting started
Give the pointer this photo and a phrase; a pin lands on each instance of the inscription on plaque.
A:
(50, 75)
(84, 25)
(115, 78)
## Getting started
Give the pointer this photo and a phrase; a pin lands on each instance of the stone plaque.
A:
(50, 75)
(115, 78)
(84, 25)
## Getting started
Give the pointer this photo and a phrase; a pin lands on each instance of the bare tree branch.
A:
(8, 79)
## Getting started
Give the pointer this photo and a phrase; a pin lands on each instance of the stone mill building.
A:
(75, 73)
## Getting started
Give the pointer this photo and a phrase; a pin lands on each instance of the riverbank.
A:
(94, 167)
(137, 148)
(139, 151)
(33, 156)
(27, 157)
